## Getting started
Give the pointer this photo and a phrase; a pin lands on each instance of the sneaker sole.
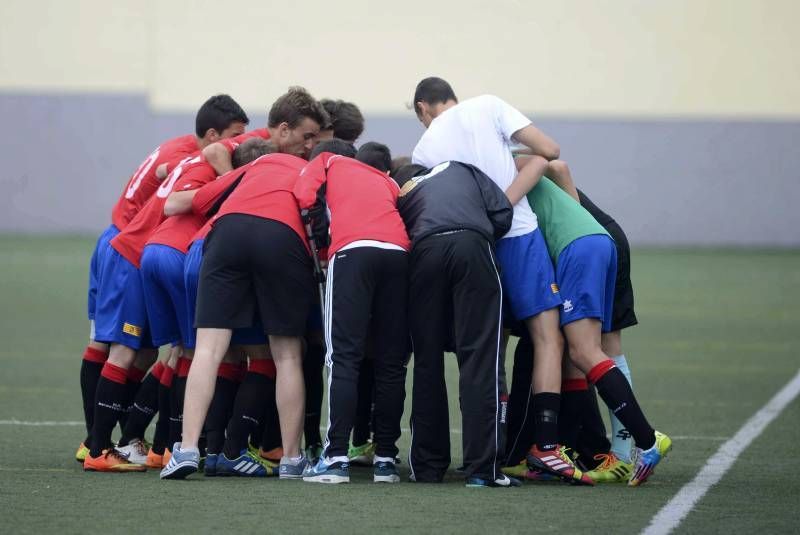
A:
(394, 478)
(181, 471)
(328, 479)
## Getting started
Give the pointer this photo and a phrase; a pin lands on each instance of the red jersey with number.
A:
(144, 183)
(362, 201)
(131, 240)
(261, 188)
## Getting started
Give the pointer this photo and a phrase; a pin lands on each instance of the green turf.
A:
(718, 337)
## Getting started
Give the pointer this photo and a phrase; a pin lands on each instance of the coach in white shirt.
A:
(480, 131)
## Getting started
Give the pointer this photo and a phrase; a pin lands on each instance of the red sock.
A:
(135, 375)
(114, 373)
(574, 385)
(166, 376)
(183, 366)
(599, 370)
(158, 370)
(95, 355)
(265, 367)
(229, 371)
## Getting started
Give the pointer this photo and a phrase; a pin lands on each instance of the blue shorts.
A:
(586, 275)
(96, 265)
(529, 283)
(121, 315)
(191, 275)
(165, 293)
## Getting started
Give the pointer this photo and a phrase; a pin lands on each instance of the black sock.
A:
(161, 436)
(573, 404)
(142, 411)
(109, 405)
(545, 417)
(616, 391)
(219, 412)
(312, 374)
(271, 437)
(248, 412)
(592, 439)
(366, 384)
(90, 375)
(176, 411)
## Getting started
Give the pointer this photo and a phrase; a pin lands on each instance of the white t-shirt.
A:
(478, 131)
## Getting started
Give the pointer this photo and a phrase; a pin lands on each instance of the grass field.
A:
(718, 337)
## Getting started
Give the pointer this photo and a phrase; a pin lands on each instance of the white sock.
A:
(621, 439)
(377, 460)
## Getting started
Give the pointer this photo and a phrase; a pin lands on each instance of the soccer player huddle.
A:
(258, 259)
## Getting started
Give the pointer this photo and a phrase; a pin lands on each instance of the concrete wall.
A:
(678, 117)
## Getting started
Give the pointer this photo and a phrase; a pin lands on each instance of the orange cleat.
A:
(110, 461)
(154, 460)
(273, 455)
(166, 457)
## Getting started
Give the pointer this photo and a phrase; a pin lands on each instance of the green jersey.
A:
(562, 220)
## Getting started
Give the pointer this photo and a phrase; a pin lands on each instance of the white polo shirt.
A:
(478, 131)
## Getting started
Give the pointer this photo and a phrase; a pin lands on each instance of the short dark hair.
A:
(433, 90)
(375, 154)
(404, 173)
(218, 112)
(294, 106)
(347, 120)
(251, 149)
(399, 162)
(335, 146)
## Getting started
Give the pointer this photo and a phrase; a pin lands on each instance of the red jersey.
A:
(264, 189)
(202, 233)
(362, 201)
(144, 183)
(232, 142)
(131, 241)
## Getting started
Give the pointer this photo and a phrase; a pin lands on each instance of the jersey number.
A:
(166, 187)
(138, 176)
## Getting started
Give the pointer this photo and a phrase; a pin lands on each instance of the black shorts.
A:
(623, 315)
(254, 266)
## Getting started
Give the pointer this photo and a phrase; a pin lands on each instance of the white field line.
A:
(76, 423)
(673, 513)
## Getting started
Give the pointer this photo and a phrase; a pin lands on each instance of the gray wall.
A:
(668, 182)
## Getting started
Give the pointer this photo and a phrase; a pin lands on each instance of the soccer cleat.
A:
(501, 482)
(181, 463)
(361, 455)
(166, 457)
(154, 460)
(558, 463)
(327, 471)
(135, 451)
(82, 453)
(274, 455)
(385, 472)
(645, 461)
(210, 467)
(110, 461)
(245, 465)
(611, 470)
(521, 471)
(288, 470)
(313, 453)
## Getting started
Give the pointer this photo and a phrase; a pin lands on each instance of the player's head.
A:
(432, 96)
(376, 155)
(294, 121)
(347, 122)
(399, 162)
(250, 150)
(219, 117)
(334, 146)
(404, 173)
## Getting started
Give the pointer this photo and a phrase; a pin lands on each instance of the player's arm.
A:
(162, 172)
(179, 202)
(513, 125)
(210, 197)
(537, 142)
(219, 157)
(559, 173)
(308, 190)
(498, 208)
(529, 171)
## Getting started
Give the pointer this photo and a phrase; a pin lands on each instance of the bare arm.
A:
(538, 142)
(161, 171)
(218, 156)
(179, 202)
(558, 172)
(531, 169)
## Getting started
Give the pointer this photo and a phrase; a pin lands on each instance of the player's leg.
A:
(313, 363)
(229, 377)
(362, 449)
(348, 301)
(429, 301)
(390, 344)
